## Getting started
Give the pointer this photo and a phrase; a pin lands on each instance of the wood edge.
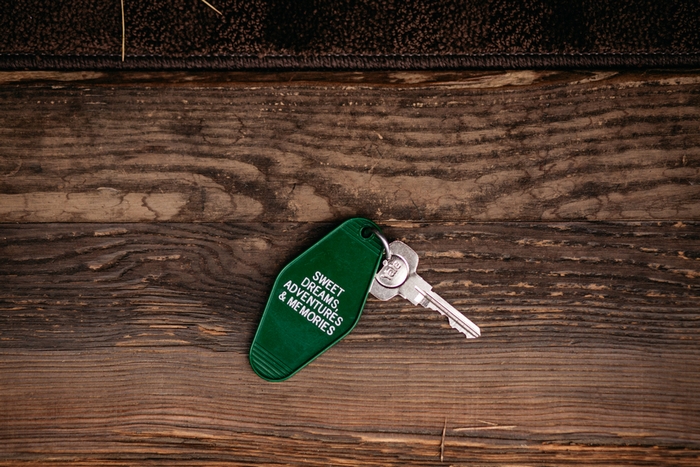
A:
(481, 79)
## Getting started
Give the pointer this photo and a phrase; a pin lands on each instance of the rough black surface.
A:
(344, 34)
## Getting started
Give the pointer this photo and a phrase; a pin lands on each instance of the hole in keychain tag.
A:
(317, 299)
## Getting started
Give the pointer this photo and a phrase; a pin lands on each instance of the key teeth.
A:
(461, 329)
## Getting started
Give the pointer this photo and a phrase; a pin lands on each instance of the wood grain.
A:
(127, 343)
(526, 146)
(124, 339)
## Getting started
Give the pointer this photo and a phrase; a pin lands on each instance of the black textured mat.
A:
(344, 34)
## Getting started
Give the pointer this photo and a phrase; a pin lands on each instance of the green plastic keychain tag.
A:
(316, 300)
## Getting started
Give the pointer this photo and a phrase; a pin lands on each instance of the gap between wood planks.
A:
(489, 426)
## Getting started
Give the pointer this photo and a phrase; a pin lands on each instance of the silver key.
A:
(398, 277)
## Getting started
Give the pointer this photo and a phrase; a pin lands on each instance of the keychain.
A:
(318, 298)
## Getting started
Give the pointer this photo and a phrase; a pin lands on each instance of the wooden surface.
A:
(518, 146)
(145, 217)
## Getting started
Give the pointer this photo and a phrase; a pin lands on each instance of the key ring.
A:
(384, 241)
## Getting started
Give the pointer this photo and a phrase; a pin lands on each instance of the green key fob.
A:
(316, 300)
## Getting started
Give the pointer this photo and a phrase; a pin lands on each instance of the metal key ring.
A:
(384, 241)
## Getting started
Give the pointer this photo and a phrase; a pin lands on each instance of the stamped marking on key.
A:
(394, 272)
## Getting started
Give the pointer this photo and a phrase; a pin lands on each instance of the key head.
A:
(394, 272)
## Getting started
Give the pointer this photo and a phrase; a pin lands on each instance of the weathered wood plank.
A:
(127, 342)
(217, 147)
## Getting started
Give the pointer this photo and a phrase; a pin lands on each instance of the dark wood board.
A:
(144, 217)
(517, 146)
(127, 343)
